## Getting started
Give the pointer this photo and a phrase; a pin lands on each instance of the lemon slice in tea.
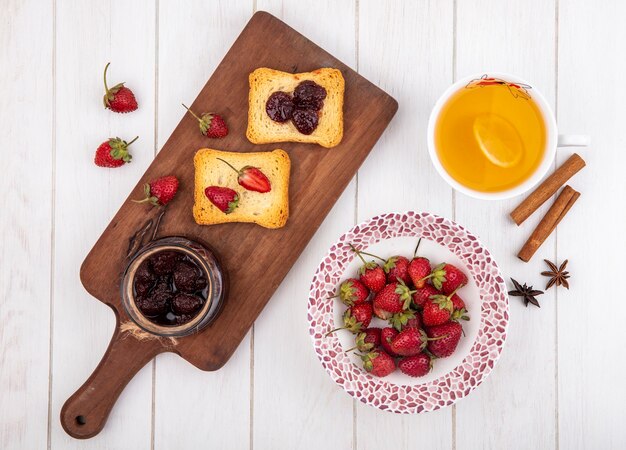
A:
(498, 140)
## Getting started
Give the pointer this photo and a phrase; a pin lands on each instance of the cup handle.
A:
(573, 140)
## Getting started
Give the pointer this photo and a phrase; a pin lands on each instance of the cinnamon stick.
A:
(546, 189)
(555, 214)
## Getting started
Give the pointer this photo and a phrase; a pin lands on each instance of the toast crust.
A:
(263, 130)
(269, 210)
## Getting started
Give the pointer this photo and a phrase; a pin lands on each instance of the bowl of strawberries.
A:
(408, 312)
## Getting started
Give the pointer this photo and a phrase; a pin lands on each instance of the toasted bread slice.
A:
(263, 130)
(270, 209)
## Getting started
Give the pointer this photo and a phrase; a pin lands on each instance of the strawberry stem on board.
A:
(229, 164)
(192, 113)
(128, 143)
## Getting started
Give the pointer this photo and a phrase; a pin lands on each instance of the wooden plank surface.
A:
(87, 196)
(280, 346)
(25, 222)
(591, 98)
(399, 176)
(511, 38)
(551, 389)
(212, 397)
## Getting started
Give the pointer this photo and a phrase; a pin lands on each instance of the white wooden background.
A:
(560, 381)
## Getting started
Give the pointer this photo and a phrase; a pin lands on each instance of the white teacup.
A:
(553, 140)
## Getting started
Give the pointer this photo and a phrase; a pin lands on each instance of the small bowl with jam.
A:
(173, 287)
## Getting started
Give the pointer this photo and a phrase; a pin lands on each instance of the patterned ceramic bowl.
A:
(485, 296)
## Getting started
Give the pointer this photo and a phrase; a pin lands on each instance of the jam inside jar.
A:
(173, 287)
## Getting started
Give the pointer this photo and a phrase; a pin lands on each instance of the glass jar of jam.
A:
(173, 287)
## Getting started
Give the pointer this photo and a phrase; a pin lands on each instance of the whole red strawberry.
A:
(416, 365)
(378, 363)
(405, 319)
(439, 309)
(113, 153)
(119, 98)
(386, 336)
(409, 342)
(251, 178)
(370, 273)
(444, 338)
(436, 312)
(392, 299)
(396, 268)
(224, 198)
(423, 294)
(211, 125)
(161, 191)
(419, 270)
(356, 318)
(447, 278)
(367, 340)
(352, 291)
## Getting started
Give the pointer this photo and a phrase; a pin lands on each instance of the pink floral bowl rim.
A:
(484, 352)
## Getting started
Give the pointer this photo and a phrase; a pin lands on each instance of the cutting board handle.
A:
(84, 414)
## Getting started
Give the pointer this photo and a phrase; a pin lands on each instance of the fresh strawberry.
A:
(352, 291)
(439, 309)
(447, 278)
(160, 191)
(405, 319)
(409, 342)
(113, 153)
(378, 363)
(423, 294)
(251, 178)
(356, 318)
(444, 338)
(224, 198)
(416, 365)
(367, 340)
(370, 273)
(419, 270)
(396, 268)
(436, 312)
(386, 336)
(119, 98)
(211, 125)
(392, 299)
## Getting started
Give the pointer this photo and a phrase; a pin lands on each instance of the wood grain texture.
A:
(591, 98)
(407, 49)
(25, 223)
(86, 197)
(367, 112)
(185, 398)
(511, 38)
(295, 412)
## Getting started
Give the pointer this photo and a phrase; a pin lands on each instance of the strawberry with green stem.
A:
(113, 153)
(378, 363)
(119, 98)
(411, 341)
(356, 318)
(370, 273)
(161, 191)
(225, 199)
(439, 309)
(447, 278)
(366, 340)
(394, 298)
(395, 267)
(212, 125)
(352, 291)
(251, 178)
(419, 268)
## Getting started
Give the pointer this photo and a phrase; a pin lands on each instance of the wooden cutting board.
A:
(256, 259)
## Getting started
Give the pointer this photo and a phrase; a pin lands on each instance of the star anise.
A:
(558, 276)
(527, 292)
